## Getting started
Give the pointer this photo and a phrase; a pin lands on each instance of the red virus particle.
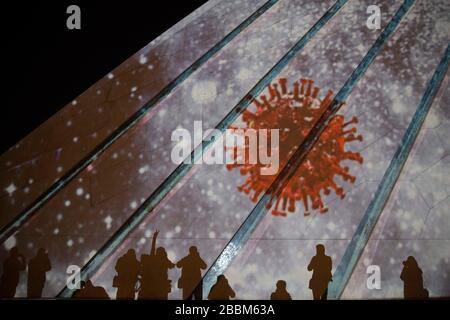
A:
(294, 113)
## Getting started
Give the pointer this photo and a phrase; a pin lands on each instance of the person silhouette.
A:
(89, 291)
(127, 267)
(221, 290)
(280, 293)
(37, 270)
(12, 266)
(321, 266)
(412, 280)
(155, 282)
(191, 275)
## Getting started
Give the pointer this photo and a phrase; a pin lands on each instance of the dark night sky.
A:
(47, 65)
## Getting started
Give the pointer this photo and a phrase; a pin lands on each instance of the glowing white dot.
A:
(11, 189)
(10, 243)
(244, 74)
(108, 221)
(204, 91)
(59, 169)
(143, 59)
(143, 169)
(80, 191)
(133, 205)
(69, 242)
(59, 216)
(56, 231)
(177, 229)
(74, 102)
(67, 203)
(75, 139)
(133, 89)
(110, 75)
(30, 181)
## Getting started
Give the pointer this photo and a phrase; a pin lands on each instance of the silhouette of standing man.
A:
(37, 269)
(413, 280)
(127, 268)
(281, 292)
(321, 266)
(191, 274)
(11, 273)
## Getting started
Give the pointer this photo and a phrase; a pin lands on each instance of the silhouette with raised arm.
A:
(281, 292)
(191, 274)
(37, 273)
(221, 290)
(12, 266)
(321, 266)
(155, 282)
(412, 280)
(89, 291)
(128, 268)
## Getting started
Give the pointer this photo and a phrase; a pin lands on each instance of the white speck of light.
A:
(75, 139)
(177, 229)
(74, 102)
(59, 169)
(143, 169)
(67, 203)
(110, 76)
(10, 243)
(69, 242)
(204, 91)
(143, 59)
(133, 205)
(11, 189)
(80, 191)
(108, 221)
(243, 74)
(133, 89)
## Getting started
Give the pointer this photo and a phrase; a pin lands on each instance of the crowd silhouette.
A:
(15, 263)
(147, 277)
